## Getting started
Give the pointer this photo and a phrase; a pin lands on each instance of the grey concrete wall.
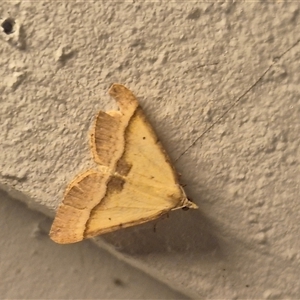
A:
(33, 267)
(220, 85)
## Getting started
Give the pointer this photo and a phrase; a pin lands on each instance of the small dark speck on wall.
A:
(118, 282)
(8, 25)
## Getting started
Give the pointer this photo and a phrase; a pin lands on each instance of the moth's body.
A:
(133, 184)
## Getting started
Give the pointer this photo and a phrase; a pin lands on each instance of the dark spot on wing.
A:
(123, 168)
(115, 184)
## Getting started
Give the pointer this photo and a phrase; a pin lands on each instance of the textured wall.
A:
(220, 84)
(33, 267)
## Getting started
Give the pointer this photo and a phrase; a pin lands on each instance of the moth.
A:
(134, 181)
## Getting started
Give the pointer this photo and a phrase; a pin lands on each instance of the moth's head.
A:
(189, 204)
(185, 208)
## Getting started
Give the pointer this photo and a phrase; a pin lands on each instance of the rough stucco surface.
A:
(220, 85)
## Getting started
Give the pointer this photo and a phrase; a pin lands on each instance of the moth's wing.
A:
(81, 196)
(88, 189)
(144, 186)
(107, 134)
